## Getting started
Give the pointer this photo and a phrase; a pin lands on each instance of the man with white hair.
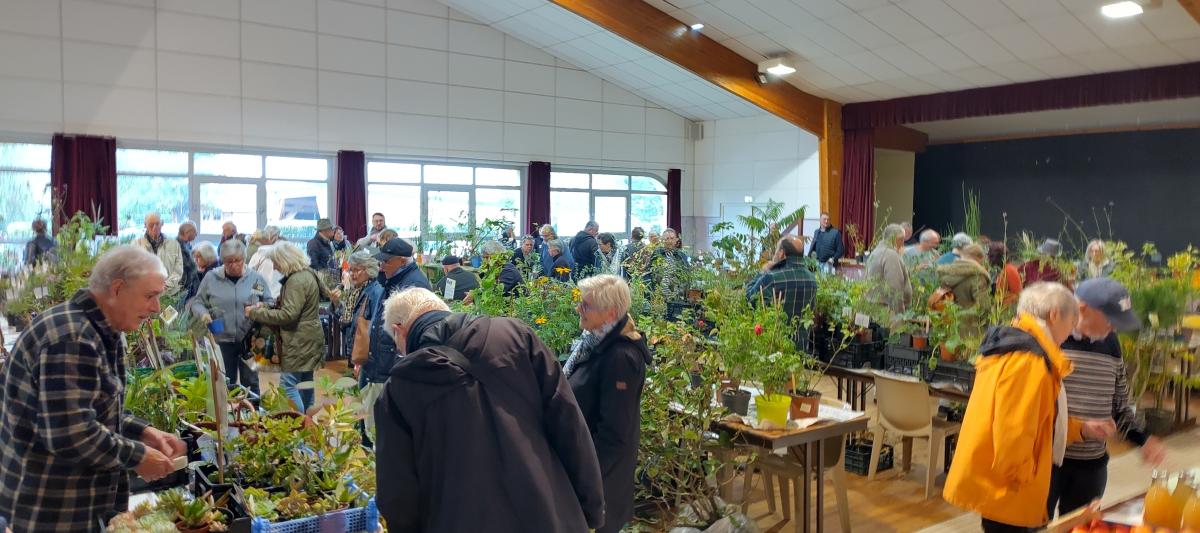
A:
(957, 243)
(167, 250)
(924, 254)
(65, 441)
(886, 268)
(479, 406)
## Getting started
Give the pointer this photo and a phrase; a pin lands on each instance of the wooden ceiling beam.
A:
(646, 26)
(1192, 7)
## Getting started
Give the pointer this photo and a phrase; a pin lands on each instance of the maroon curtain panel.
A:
(1142, 85)
(674, 214)
(537, 196)
(83, 175)
(350, 199)
(858, 186)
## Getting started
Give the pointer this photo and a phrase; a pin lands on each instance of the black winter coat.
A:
(583, 251)
(456, 455)
(827, 244)
(608, 387)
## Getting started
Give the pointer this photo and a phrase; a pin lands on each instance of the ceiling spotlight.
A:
(697, 26)
(762, 78)
(1123, 9)
(775, 67)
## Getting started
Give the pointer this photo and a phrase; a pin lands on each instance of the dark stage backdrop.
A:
(1149, 182)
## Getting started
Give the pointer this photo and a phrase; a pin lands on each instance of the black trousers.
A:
(1076, 483)
(996, 527)
(237, 370)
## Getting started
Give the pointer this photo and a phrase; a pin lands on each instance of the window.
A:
(251, 190)
(617, 202)
(24, 197)
(419, 200)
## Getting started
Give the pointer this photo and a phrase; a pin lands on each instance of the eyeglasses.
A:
(584, 307)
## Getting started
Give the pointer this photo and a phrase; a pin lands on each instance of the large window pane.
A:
(380, 172)
(449, 209)
(569, 180)
(497, 204)
(568, 212)
(610, 182)
(648, 211)
(400, 205)
(151, 161)
(220, 202)
(24, 197)
(296, 206)
(297, 168)
(17, 156)
(448, 175)
(503, 177)
(12, 256)
(646, 183)
(138, 196)
(610, 214)
(231, 165)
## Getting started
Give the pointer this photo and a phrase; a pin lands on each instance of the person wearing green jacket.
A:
(968, 278)
(295, 317)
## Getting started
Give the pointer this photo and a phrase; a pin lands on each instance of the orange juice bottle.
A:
(1160, 506)
(1184, 489)
(1191, 511)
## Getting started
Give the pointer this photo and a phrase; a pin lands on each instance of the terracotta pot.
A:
(726, 384)
(920, 342)
(805, 404)
(865, 336)
(693, 295)
(945, 354)
(184, 529)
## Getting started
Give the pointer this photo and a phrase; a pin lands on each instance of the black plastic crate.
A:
(960, 374)
(951, 445)
(675, 309)
(858, 457)
(177, 478)
(906, 360)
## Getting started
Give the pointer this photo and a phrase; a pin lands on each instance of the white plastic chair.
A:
(903, 408)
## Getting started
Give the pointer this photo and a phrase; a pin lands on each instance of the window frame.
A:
(627, 193)
(49, 216)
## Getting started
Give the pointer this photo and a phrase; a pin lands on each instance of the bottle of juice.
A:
(1160, 506)
(1184, 489)
(1191, 511)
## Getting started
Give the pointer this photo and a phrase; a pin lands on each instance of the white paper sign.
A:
(862, 320)
(41, 292)
(449, 292)
(846, 311)
(169, 315)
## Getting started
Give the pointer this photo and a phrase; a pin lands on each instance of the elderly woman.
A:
(223, 296)
(295, 317)
(968, 278)
(606, 370)
(1016, 425)
(1094, 264)
(205, 255)
(886, 268)
(549, 236)
(560, 267)
(362, 303)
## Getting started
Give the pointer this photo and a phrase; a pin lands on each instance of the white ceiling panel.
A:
(981, 47)
(749, 15)
(937, 16)
(875, 66)
(1188, 48)
(899, 24)
(1031, 10)
(1151, 55)
(943, 54)
(981, 77)
(1117, 32)
(1018, 72)
(761, 44)
(946, 81)
(1067, 34)
(785, 11)
(824, 9)
(862, 31)
(1060, 67)
(986, 13)
(1170, 22)
(829, 38)
(906, 59)
(1023, 41)
(1104, 61)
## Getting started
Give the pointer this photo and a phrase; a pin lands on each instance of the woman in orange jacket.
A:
(1016, 423)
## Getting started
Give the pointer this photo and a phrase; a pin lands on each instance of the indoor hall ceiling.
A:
(575, 40)
(861, 50)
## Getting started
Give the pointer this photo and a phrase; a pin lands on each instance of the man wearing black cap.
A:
(398, 271)
(1097, 388)
(463, 281)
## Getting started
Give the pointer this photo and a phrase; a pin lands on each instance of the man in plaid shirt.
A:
(785, 278)
(65, 440)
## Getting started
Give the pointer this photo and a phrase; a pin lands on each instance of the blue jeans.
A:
(302, 398)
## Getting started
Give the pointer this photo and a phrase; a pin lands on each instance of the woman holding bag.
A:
(364, 271)
(219, 301)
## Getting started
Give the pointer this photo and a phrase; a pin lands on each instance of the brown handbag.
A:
(361, 351)
(937, 300)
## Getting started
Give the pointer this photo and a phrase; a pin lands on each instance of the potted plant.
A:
(197, 515)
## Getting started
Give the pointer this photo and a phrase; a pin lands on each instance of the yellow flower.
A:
(540, 320)
(562, 270)
(543, 281)
(575, 295)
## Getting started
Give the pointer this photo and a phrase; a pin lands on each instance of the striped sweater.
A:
(1098, 388)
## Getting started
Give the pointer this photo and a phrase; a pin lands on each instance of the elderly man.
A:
(41, 244)
(560, 268)
(786, 278)
(320, 247)
(65, 442)
(1097, 388)
(191, 277)
(827, 245)
(886, 268)
(957, 243)
(479, 406)
(378, 224)
(397, 271)
(924, 254)
(510, 276)
(909, 239)
(464, 281)
(229, 231)
(167, 250)
(525, 252)
(583, 250)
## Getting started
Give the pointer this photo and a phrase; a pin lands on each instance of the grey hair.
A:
(491, 248)
(961, 240)
(366, 261)
(607, 292)
(186, 225)
(207, 251)
(232, 248)
(671, 231)
(125, 263)
(547, 227)
(287, 258)
(891, 234)
(1041, 298)
(906, 225)
(270, 233)
(591, 224)
(929, 235)
(409, 304)
(557, 244)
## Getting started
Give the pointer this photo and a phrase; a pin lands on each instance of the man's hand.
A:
(154, 465)
(1154, 451)
(1098, 429)
(170, 445)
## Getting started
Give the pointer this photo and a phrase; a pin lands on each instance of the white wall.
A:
(763, 157)
(894, 186)
(405, 77)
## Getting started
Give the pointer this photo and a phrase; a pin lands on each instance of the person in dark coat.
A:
(191, 272)
(583, 250)
(606, 370)
(479, 428)
(320, 247)
(41, 246)
(560, 268)
(464, 281)
(827, 244)
(509, 276)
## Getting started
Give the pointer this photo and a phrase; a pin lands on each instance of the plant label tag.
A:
(862, 320)
(41, 292)
(169, 315)
(846, 311)
(10, 295)
(448, 293)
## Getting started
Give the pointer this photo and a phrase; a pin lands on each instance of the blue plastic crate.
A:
(357, 520)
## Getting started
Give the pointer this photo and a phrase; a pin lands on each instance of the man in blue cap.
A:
(1097, 389)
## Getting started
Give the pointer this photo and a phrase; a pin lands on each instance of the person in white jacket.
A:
(261, 261)
(167, 250)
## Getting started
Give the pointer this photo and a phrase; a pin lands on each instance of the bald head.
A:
(929, 240)
(790, 246)
(153, 225)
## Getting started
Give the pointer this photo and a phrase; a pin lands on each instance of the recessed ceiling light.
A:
(697, 26)
(775, 67)
(781, 70)
(1118, 10)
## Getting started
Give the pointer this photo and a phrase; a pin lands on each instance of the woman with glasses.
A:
(223, 295)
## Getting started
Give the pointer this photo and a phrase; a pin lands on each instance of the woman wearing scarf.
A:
(606, 370)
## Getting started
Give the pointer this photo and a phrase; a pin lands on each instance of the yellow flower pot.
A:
(773, 408)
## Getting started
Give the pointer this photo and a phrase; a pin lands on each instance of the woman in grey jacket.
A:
(222, 298)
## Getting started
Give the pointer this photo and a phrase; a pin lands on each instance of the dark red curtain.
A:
(674, 182)
(1142, 85)
(858, 186)
(83, 175)
(537, 196)
(351, 196)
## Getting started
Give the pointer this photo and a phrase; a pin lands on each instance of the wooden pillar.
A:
(831, 161)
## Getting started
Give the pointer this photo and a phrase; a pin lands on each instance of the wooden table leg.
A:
(818, 469)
